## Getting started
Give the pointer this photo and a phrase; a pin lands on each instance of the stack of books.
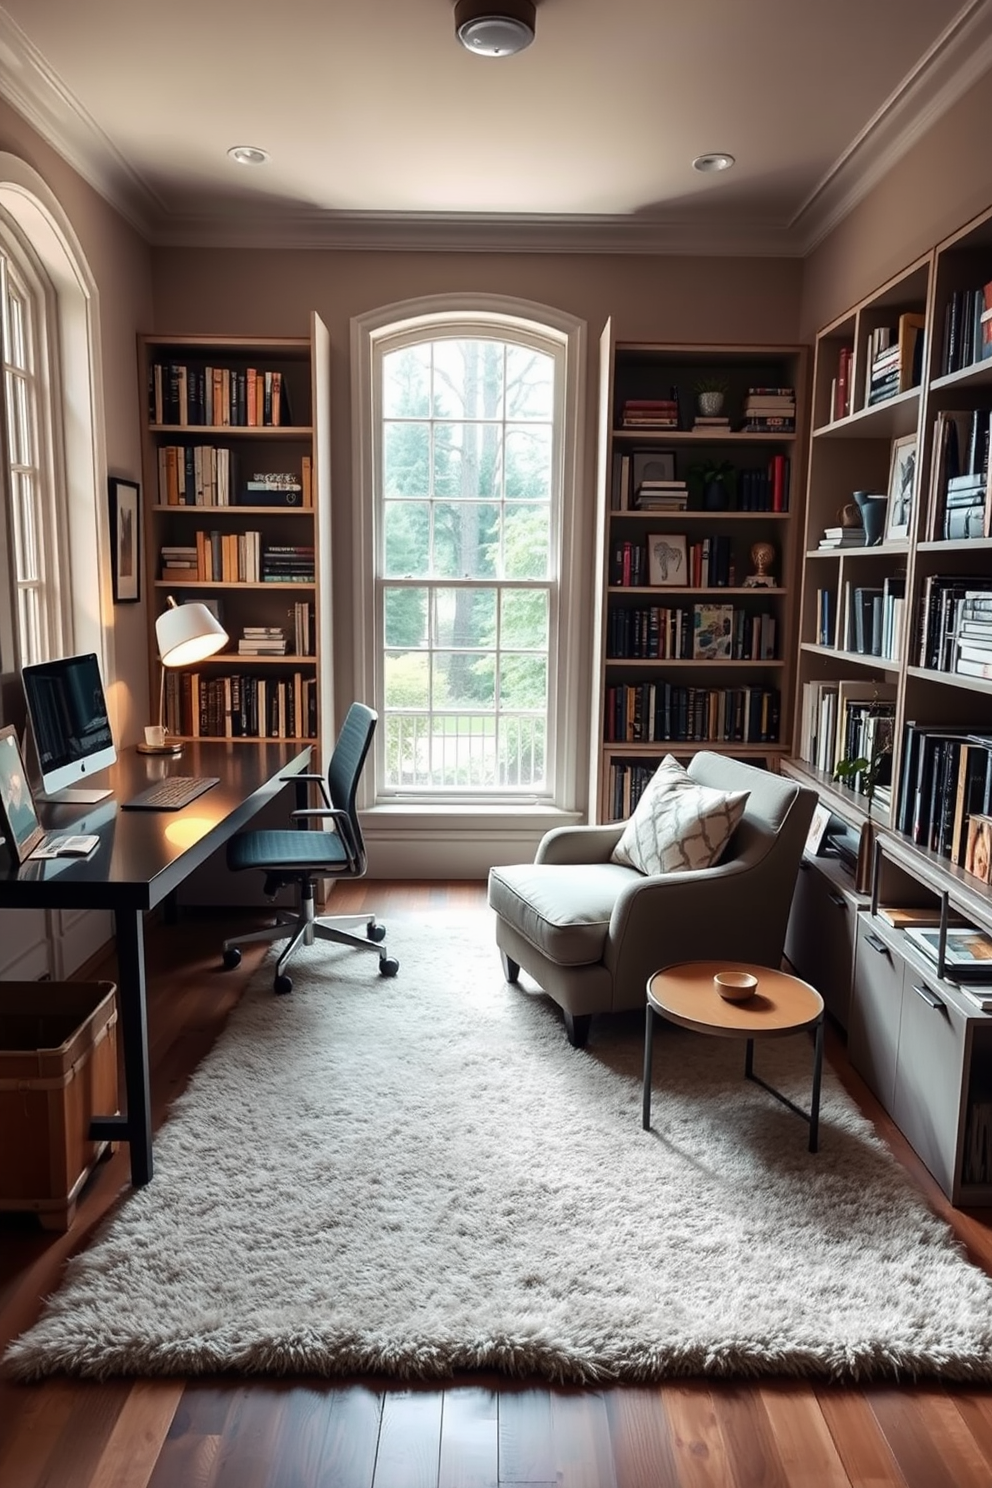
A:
(262, 640)
(842, 537)
(277, 488)
(661, 495)
(711, 424)
(288, 563)
(883, 365)
(179, 562)
(770, 410)
(974, 634)
(651, 413)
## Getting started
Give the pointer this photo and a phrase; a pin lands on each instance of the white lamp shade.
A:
(188, 633)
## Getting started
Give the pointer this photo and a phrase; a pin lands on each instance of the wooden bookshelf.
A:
(195, 474)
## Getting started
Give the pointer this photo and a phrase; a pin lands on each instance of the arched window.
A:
(471, 457)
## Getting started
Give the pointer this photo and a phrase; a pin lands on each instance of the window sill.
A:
(454, 817)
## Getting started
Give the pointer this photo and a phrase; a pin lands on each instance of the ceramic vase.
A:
(709, 404)
(872, 508)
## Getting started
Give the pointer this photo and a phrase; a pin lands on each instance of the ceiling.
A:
(383, 131)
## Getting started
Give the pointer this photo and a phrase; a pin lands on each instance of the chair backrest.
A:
(347, 762)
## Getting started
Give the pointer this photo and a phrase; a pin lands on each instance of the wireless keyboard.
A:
(170, 794)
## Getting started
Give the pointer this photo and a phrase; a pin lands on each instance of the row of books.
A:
(750, 489)
(205, 475)
(705, 633)
(670, 559)
(960, 496)
(647, 712)
(627, 780)
(183, 394)
(850, 718)
(274, 640)
(967, 328)
(949, 602)
(235, 558)
(240, 705)
(894, 358)
(872, 618)
(945, 779)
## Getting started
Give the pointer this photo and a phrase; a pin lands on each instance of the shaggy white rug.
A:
(419, 1176)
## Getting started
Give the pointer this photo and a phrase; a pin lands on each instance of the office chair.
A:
(301, 856)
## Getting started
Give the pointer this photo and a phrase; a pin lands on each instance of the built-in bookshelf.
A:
(700, 468)
(237, 515)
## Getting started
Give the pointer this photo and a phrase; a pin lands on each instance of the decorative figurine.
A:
(762, 556)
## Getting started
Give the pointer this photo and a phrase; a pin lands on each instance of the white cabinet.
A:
(819, 940)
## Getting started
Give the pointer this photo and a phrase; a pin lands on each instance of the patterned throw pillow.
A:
(678, 824)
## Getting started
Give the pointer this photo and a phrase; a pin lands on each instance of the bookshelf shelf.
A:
(195, 477)
(739, 488)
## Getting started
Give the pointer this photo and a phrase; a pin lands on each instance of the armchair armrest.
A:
(579, 844)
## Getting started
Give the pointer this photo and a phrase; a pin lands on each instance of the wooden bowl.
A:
(735, 986)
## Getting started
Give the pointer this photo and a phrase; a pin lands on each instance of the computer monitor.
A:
(71, 726)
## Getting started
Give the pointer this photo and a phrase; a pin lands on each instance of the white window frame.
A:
(504, 318)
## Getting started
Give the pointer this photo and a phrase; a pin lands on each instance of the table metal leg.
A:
(814, 1105)
(136, 1126)
(648, 1061)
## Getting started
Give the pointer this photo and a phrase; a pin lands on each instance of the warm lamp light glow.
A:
(186, 831)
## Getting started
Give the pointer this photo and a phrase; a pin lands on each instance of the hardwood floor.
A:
(241, 1433)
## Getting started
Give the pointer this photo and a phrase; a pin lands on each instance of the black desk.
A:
(142, 857)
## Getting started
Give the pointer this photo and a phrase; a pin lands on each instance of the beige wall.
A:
(942, 182)
(273, 293)
(120, 265)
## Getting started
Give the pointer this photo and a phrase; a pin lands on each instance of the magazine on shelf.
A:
(967, 952)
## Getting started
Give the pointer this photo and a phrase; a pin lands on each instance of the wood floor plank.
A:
(580, 1433)
(929, 1439)
(640, 1438)
(129, 1458)
(858, 1437)
(409, 1439)
(469, 1439)
(33, 1419)
(86, 1433)
(747, 1433)
(525, 1452)
(248, 1454)
(329, 1436)
(697, 1442)
(975, 1410)
(802, 1437)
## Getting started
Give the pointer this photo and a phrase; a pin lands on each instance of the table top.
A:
(144, 855)
(781, 1004)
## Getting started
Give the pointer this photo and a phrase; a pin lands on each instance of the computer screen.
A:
(70, 723)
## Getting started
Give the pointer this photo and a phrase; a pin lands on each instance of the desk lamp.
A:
(185, 634)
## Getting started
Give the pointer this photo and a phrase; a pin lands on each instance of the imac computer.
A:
(67, 710)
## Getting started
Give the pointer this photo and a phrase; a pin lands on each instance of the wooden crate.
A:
(58, 1067)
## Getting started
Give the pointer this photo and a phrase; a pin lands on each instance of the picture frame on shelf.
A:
(902, 479)
(817, 830)
(668, 560)
(125, 540)
(651, 465)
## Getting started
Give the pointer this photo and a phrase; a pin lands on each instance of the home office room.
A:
(495, 745)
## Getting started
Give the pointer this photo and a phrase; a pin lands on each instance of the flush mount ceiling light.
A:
(495, 28)
(716, 161)
(248, 154)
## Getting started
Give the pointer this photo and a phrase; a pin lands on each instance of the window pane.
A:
(465, 540)
(463, 752)
(528, 462)
(524, 620)
(464, 617)
(406, 383)
(522, 752)
(28, 555)
(406, 461)
(526, 542)
(530, 383)
(408, 539)
(406, 617)
(464, 678)
(523, 682)
(468, 379)
(467, 459)
(406, 679)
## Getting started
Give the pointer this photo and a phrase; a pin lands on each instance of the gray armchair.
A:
(590, 932)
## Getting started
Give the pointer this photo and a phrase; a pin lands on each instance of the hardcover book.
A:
(967, 952)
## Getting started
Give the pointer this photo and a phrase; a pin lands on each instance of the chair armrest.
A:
(301, 779)
(579, 844)
(342, 823)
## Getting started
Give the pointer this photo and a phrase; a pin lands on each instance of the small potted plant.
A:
(714, 485)
(710, 392)
(862, 772)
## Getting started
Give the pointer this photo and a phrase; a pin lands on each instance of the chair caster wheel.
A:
(282, 985)
(376, 932)
(388, 966)
(232, 958)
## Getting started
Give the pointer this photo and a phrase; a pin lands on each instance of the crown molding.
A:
(955, 61)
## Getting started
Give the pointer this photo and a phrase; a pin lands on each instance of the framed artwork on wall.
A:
(125, 540)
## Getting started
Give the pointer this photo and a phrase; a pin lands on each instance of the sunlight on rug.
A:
(420, 1176)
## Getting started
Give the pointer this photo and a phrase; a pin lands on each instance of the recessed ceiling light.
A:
(716, 161)
(248, 155)
(495, 29)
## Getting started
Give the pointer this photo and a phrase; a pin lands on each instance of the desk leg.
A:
(648, 1060)
(134, 1035)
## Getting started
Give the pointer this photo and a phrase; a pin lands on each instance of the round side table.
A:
(780, 1005)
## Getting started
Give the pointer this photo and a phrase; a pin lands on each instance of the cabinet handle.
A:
(877, 945)
(838, 899)
(930, 998)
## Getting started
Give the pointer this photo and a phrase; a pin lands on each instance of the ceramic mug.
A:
(155, 735)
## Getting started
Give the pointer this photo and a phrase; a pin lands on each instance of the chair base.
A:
(305, 928)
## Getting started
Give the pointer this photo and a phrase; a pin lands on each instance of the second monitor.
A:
(71, 725)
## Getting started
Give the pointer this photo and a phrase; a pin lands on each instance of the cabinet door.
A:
(928, 1095)
(819, 940)
(876, 1010)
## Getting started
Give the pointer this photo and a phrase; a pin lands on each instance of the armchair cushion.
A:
(678, 825)
(562, 909)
